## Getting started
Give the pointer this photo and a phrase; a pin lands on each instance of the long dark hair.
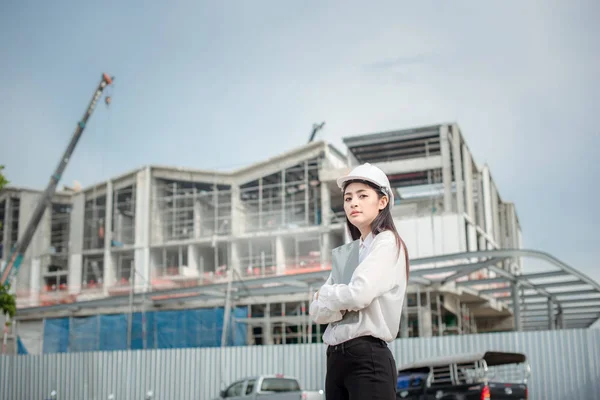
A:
(382, 222)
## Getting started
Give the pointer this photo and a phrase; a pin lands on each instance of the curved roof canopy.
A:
(578, 306)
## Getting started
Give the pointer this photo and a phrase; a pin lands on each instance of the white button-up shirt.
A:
(377, 291)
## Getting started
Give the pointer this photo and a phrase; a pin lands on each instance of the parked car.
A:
(268, 387)
(491, 375)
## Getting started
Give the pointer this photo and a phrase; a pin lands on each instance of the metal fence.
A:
(565, 365)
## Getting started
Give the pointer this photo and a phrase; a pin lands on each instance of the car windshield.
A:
(279, 385)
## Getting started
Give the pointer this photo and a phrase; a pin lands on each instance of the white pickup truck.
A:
(268, 387)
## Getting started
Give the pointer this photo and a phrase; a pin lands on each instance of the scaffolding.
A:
(60, 228)
(272, 227)
(123, 217)
(54, 279)
(94, 219)
(289, 198)
(190, 210)
(92, 276)
(257, 257)
(426, 313)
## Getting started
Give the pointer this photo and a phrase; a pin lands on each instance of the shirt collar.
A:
(367, 242)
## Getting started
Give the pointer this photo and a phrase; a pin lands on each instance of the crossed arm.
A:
(376, 275)
(320, 313)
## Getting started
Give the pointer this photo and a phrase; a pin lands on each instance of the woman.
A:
(363, 313)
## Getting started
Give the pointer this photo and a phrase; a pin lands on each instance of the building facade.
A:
(158, 229)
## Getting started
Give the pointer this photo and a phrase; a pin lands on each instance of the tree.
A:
(8, 303)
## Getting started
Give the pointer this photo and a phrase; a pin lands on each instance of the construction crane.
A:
(16, 255)
(316, 128)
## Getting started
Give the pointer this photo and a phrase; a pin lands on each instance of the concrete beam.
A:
(123, 182)
(189, 175)
(279, 163)
(389, 167)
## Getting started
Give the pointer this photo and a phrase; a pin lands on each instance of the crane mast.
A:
(16, 255)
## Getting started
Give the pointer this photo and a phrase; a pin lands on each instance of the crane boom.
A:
(316, 128)
(16, 255)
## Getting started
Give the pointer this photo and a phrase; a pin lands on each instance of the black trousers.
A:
(361, 369)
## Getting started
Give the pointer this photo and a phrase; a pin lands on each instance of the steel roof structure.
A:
(394, 145)
(540, 303)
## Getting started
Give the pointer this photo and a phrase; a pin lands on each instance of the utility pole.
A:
(227, 310)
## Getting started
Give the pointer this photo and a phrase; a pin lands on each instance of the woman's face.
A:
(362, 205)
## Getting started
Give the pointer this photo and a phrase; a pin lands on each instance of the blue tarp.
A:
(56, 335)
(164, 330)
(21, 349)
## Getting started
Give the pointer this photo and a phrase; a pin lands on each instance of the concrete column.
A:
(198, 217)
(458, 170)
(146, 213)
(467, 161)
(404, 321)
(193, 256)
(325, 249)
(76, 223)
(495, 212)
(233, 260)
(471, 231)
(425, 317)
(155, 222)
(440, 322)
(215, 214)
(419, 314)
(325, 205)
(516, 304)
(480, 216)
(109, 268)
(75, 271)
(280, 255)
(35, 281)
(267, 327)
(487, 201)
(512, 228)
(550, 314)
(471, 238)
(446, 168)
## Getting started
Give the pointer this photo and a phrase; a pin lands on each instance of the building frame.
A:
(164, 238)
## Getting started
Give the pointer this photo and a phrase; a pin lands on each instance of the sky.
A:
(211, 85)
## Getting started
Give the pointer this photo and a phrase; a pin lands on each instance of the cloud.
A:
(397, 62)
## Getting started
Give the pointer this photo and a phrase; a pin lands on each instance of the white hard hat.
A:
(370, 173)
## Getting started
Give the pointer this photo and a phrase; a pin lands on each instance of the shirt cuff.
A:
(325, 297)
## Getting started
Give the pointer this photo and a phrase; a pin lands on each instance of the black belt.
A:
(353, 342)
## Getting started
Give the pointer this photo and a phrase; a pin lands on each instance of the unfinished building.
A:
(156, 246)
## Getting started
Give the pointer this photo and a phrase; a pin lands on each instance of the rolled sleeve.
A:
(320, 313)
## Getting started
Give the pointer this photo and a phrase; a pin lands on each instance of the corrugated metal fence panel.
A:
(565, 365)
